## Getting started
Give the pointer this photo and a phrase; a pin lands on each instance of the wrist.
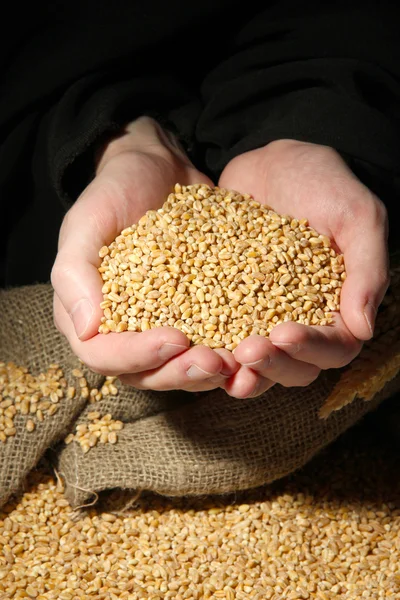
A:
(284, 144)
(144, 135)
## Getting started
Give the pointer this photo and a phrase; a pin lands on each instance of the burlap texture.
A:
(29, 338)
(172, 443)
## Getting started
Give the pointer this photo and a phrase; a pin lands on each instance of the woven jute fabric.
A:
(173, 443)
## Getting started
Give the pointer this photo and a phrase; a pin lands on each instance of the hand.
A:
(135, 173)
(310, 181)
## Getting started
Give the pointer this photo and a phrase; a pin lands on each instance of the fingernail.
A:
(288, 347)
(256, 390)
(167, 350)
(226, 375)
(263, 363)
(195, 372)
(81, 315)
(370, 314)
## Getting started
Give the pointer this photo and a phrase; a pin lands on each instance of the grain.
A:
(30, 425)
(96, 430)
(28, 395)
(329, 532)
(212, 253)
(37, 397)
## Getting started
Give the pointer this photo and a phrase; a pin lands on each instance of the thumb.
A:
(365, 249)
(126, 187)
(119, 195)
(75, 277)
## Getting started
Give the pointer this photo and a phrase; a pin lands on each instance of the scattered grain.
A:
(97, 430)
(37, 397)
(328, 532)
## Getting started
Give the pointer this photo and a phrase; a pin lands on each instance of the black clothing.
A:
(227, 77)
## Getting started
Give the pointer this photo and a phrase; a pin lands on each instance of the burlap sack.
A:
(173, 443)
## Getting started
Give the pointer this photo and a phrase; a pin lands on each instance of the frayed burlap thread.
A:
(172, 443)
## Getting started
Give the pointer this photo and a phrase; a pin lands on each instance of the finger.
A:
(229, 365)
(127, 352)
(110, 203)
(326, 347)
(367, 266)
(192, 386)
(228, 368)
(197, 365)
(90, 224)
(246, 383)
(259, 354)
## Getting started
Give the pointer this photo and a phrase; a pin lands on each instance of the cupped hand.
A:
(135, 173)
(309, 181)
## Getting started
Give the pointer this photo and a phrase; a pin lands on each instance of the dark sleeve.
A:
(326, 73)
(93, 110)
(71, 76)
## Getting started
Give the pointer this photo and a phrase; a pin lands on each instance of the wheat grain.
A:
(209, 249)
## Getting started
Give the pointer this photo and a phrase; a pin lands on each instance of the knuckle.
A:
(351, 350)
(132, 382)
(96, 366)
(375, 212)
(384, 280)
(233, 163)
(380, 210)
(65, 225)
(240, 163)
(59, 272)
(57, 324)
(308, 379)
(362, 204)
(56, 314)
(91, 364)
(55, 275)
(239, 394)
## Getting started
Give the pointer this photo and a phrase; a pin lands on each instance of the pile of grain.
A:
(98, 430)
(31, 396)
(37, 397)
(219, 266)
(329, 532)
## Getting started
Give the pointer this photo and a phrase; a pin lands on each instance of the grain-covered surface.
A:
(331, 531)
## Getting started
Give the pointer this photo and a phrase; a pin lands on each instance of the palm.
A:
(309, 181)
(301, 180)
(132, 183)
